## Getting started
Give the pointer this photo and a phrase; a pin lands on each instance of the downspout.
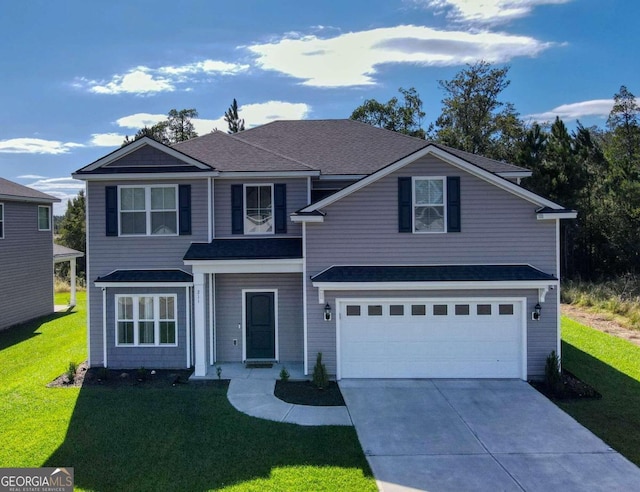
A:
(104, 327)
(304, 296)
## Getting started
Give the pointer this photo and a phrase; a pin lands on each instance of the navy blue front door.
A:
(261, 325)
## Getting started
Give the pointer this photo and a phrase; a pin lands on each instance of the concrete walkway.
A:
(478, 435)
(254, 396)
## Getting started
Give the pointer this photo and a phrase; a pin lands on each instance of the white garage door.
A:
(430, 339)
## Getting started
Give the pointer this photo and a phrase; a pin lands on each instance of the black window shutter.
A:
(111, 210)
(280, 208)
(404, 204)
(453, 204)
(184, 210)
(236, 209)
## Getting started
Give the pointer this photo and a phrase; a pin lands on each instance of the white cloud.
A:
(485, 12)
(31, 176)
(106, 139)
(352, 59)
(63, 188)
(140, 120)
(144, 80)
(596, 107)
(36, 146)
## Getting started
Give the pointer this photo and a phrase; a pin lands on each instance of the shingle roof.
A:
(60, 251)
(490, 165)
(246, 249)
(227, 153)
(140, 276)
(437, 273)
(10, 190)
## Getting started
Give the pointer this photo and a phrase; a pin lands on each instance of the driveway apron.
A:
(458, 435)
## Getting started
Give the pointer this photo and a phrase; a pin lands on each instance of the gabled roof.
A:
(17, 192)
(246, 249)
(229, 153)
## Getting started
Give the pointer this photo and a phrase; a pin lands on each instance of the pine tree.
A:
(236, 124)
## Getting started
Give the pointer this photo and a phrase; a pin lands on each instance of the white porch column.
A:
(72, 301)
(200, 328)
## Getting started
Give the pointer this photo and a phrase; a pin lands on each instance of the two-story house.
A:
(26, 253)
(391, 255)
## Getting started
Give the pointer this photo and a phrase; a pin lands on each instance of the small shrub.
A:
(284, 374)
(142, 374)
(552, 374)
(320, 377)
(219, 372)
(71, 372)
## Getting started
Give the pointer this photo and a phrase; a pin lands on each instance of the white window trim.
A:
(414, 205)
(147, 210)
(156, 320)
(48, 208)
(2, 220)
(244, 209)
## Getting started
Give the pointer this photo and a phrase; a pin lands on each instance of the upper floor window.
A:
(148, 210)
(44, 218)
(258, 213)
(429, 205)
(1, 220)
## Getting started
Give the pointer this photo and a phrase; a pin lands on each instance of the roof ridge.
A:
(235, 137)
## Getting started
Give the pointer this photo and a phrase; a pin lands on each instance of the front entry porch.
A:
(238, 370)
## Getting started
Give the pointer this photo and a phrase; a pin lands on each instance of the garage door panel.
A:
(418, 343)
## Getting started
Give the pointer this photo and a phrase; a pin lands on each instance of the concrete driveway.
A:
(457, 435)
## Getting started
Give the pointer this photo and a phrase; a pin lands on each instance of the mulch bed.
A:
(305, 393)
(144, 378)
(572, 389)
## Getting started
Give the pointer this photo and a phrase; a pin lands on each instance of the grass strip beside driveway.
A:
(612, 366)
(186, 437)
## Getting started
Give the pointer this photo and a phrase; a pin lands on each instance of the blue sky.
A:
(77, 76)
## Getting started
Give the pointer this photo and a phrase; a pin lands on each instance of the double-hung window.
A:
(44, 218)
(146, 320)
(429, 211)
(148, 210)
(258, 212)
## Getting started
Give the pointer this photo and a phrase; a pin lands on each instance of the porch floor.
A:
(238, 370)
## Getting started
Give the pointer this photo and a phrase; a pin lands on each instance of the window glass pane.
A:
(163, 223)
(429, 192)
(418, 310)
(505, 309)
(436, 193)
(43, 219)
(145, 308)
(145, 332)
(259, 215)
(396, 310)
(251, 200)
(132, 199)
(483, 309)
(353, 310)
(133, 223)
(462, 309)
(125, 332)
(374, 310)
(440, 310)
(429, 219)
(167, 310)
(265, 197)
(168, 332)
(125, 308)
(163, 198)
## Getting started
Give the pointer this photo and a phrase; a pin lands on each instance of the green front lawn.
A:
(186, 437)
(612, 366)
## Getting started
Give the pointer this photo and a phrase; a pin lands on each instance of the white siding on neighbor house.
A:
(497, 228)
(26, 263)
(296, 199)
(107, 254)
(228, 294)
(156, 357)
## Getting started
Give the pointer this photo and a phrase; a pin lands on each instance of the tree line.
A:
(593, 170)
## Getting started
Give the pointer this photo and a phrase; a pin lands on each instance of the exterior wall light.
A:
(327, 312)
(537, 309)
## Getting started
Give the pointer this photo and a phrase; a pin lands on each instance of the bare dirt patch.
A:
(600, 321)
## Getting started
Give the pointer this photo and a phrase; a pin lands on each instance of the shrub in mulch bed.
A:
(306, 393)
(571, 388)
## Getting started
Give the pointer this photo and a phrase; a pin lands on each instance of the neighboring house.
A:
(393, 256)
(26, 253)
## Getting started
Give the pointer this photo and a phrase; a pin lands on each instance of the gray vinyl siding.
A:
(296, 199)
(147, 156)
(147, 357)
(497, 227)
(26, 263)
(229, 313)
(106, 254)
